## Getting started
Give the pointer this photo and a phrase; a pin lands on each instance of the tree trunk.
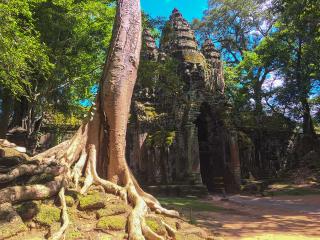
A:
(308, 127)
(5, 113)
(303, 85)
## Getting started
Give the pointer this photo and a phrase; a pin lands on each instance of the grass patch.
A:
(285, 188)
(293, 191)
(190, 203)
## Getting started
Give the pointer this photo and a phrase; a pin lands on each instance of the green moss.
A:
(73, 234)
(161, 138)
(91, 201)
(9, 229)
(155, 225)
(170, 138)
(112, 223)
(48, 215)
(111, 210)
(150, 112)
(194, 57)
(11, 152)
(69, 201)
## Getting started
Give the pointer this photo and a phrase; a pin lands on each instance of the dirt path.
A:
(276, 218)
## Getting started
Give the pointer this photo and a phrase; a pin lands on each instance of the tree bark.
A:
(5, 113)
(303, 85)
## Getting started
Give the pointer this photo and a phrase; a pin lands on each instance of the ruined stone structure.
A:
(199, 144)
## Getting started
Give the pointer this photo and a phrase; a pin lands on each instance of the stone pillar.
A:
(192, 155)
(234, 161)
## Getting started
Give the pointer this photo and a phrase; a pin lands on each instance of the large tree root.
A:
(58, 235)
(86, 165)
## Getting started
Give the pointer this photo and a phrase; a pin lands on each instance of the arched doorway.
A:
(212, 152)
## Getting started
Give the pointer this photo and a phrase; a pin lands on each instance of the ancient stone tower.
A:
(204, 148)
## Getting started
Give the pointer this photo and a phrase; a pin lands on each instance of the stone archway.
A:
(212, 149)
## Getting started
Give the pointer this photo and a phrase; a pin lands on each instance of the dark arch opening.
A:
(211, 149)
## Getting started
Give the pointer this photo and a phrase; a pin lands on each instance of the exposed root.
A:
(29, 170)
(88, 180)
(77, 170)
(52, 151)
(131, 193)
(148, 233)
(65, 217)
(170, 230)
(32, 192)
(138, 212)
(107, 185)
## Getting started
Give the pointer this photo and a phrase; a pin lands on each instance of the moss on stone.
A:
(9, 229)
(48, 215)
(111, 210)
(91, 201)
(12, 152)
(10, 222)
(154, 223)
(112, 223)
(73, 234)
(194, 57)
(69, 201)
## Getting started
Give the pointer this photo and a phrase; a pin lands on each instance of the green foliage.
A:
(62, 119)
(239, 27)
(77, 34)
(160, 75)
(52, 52)
(23, 57)
(262, 41)
(294, 50)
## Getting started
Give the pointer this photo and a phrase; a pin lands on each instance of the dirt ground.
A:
(263, 218)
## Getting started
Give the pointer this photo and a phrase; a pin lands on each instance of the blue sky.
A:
(190, 9)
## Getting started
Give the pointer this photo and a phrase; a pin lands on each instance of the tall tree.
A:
(99, 144)
(23, 58)
(238, 28)
(52, 55)
(297, 38)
